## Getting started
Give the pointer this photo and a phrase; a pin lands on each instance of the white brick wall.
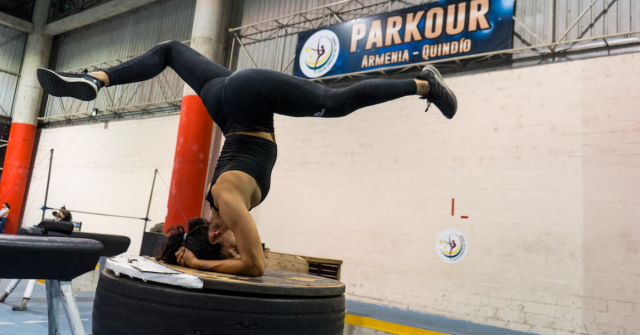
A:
(106, 171)
(544, 160)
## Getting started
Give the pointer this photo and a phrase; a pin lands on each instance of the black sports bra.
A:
(252, 155)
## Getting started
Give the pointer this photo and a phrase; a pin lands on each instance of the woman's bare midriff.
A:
(252, 187)
(267, 136)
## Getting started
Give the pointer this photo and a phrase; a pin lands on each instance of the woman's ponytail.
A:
(198, 242)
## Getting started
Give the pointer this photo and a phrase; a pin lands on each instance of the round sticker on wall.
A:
(319, 53)
(451, 246)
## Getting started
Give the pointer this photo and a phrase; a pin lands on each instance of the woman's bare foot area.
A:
(423, 87)
(102, 77)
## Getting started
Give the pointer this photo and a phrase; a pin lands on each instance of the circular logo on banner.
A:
(451, 246)
(319, 53)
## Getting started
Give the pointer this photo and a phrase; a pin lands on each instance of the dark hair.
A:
(197, 241)
(7, 204)
(67, 215)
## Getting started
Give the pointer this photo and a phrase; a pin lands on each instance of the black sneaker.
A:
(82, 86)
(439, 93)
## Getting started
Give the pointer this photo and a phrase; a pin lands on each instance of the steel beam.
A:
(70, 308)
(528, 30)
(247, 51)
(53, 306)
(16, 23)
(137, 114)
(93, 15)
(115, 110)
(324, 10)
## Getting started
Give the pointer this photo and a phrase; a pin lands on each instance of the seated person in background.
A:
(56, 216)
(158, 228)
(197, 241)
(4, 212)
(65, 215)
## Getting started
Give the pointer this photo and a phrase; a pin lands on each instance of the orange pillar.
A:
(24, 119)
(16, 171)
(190, 164)
(189, 177)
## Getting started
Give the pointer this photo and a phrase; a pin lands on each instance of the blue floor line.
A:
(424, 321)
(33, 321)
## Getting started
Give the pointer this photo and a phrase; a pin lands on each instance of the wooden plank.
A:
(291, 262)
(314, 259)
(274, 282)
(286, 262)
(324, 260)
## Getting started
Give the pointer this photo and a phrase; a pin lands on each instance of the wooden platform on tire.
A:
(274, 282)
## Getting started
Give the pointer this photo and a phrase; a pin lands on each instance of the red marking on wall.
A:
(453, 205)
(464, 217)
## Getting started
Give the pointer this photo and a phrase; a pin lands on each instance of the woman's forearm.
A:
(234, 266)
(235, 214)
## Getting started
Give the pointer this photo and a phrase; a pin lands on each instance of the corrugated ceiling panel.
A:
(605, 17)
(108, 43)
(12, 44)
(263, 53)
(127, 34)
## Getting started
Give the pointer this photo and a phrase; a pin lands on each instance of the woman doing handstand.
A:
(242, 104)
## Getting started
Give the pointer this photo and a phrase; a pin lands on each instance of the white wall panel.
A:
(545, 168)
(105, 170)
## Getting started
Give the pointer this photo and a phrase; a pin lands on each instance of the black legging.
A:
(247, 99)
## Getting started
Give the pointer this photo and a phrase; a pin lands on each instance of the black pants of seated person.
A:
(246, 100)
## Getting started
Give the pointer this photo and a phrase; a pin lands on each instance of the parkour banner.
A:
(438, 30)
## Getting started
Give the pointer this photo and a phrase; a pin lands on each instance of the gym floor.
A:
(362, 319)
(34, 319)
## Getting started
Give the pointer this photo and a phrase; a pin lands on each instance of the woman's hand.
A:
(187, 258)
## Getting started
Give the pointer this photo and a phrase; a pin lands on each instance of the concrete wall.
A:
(544, 160)
(105, 171)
